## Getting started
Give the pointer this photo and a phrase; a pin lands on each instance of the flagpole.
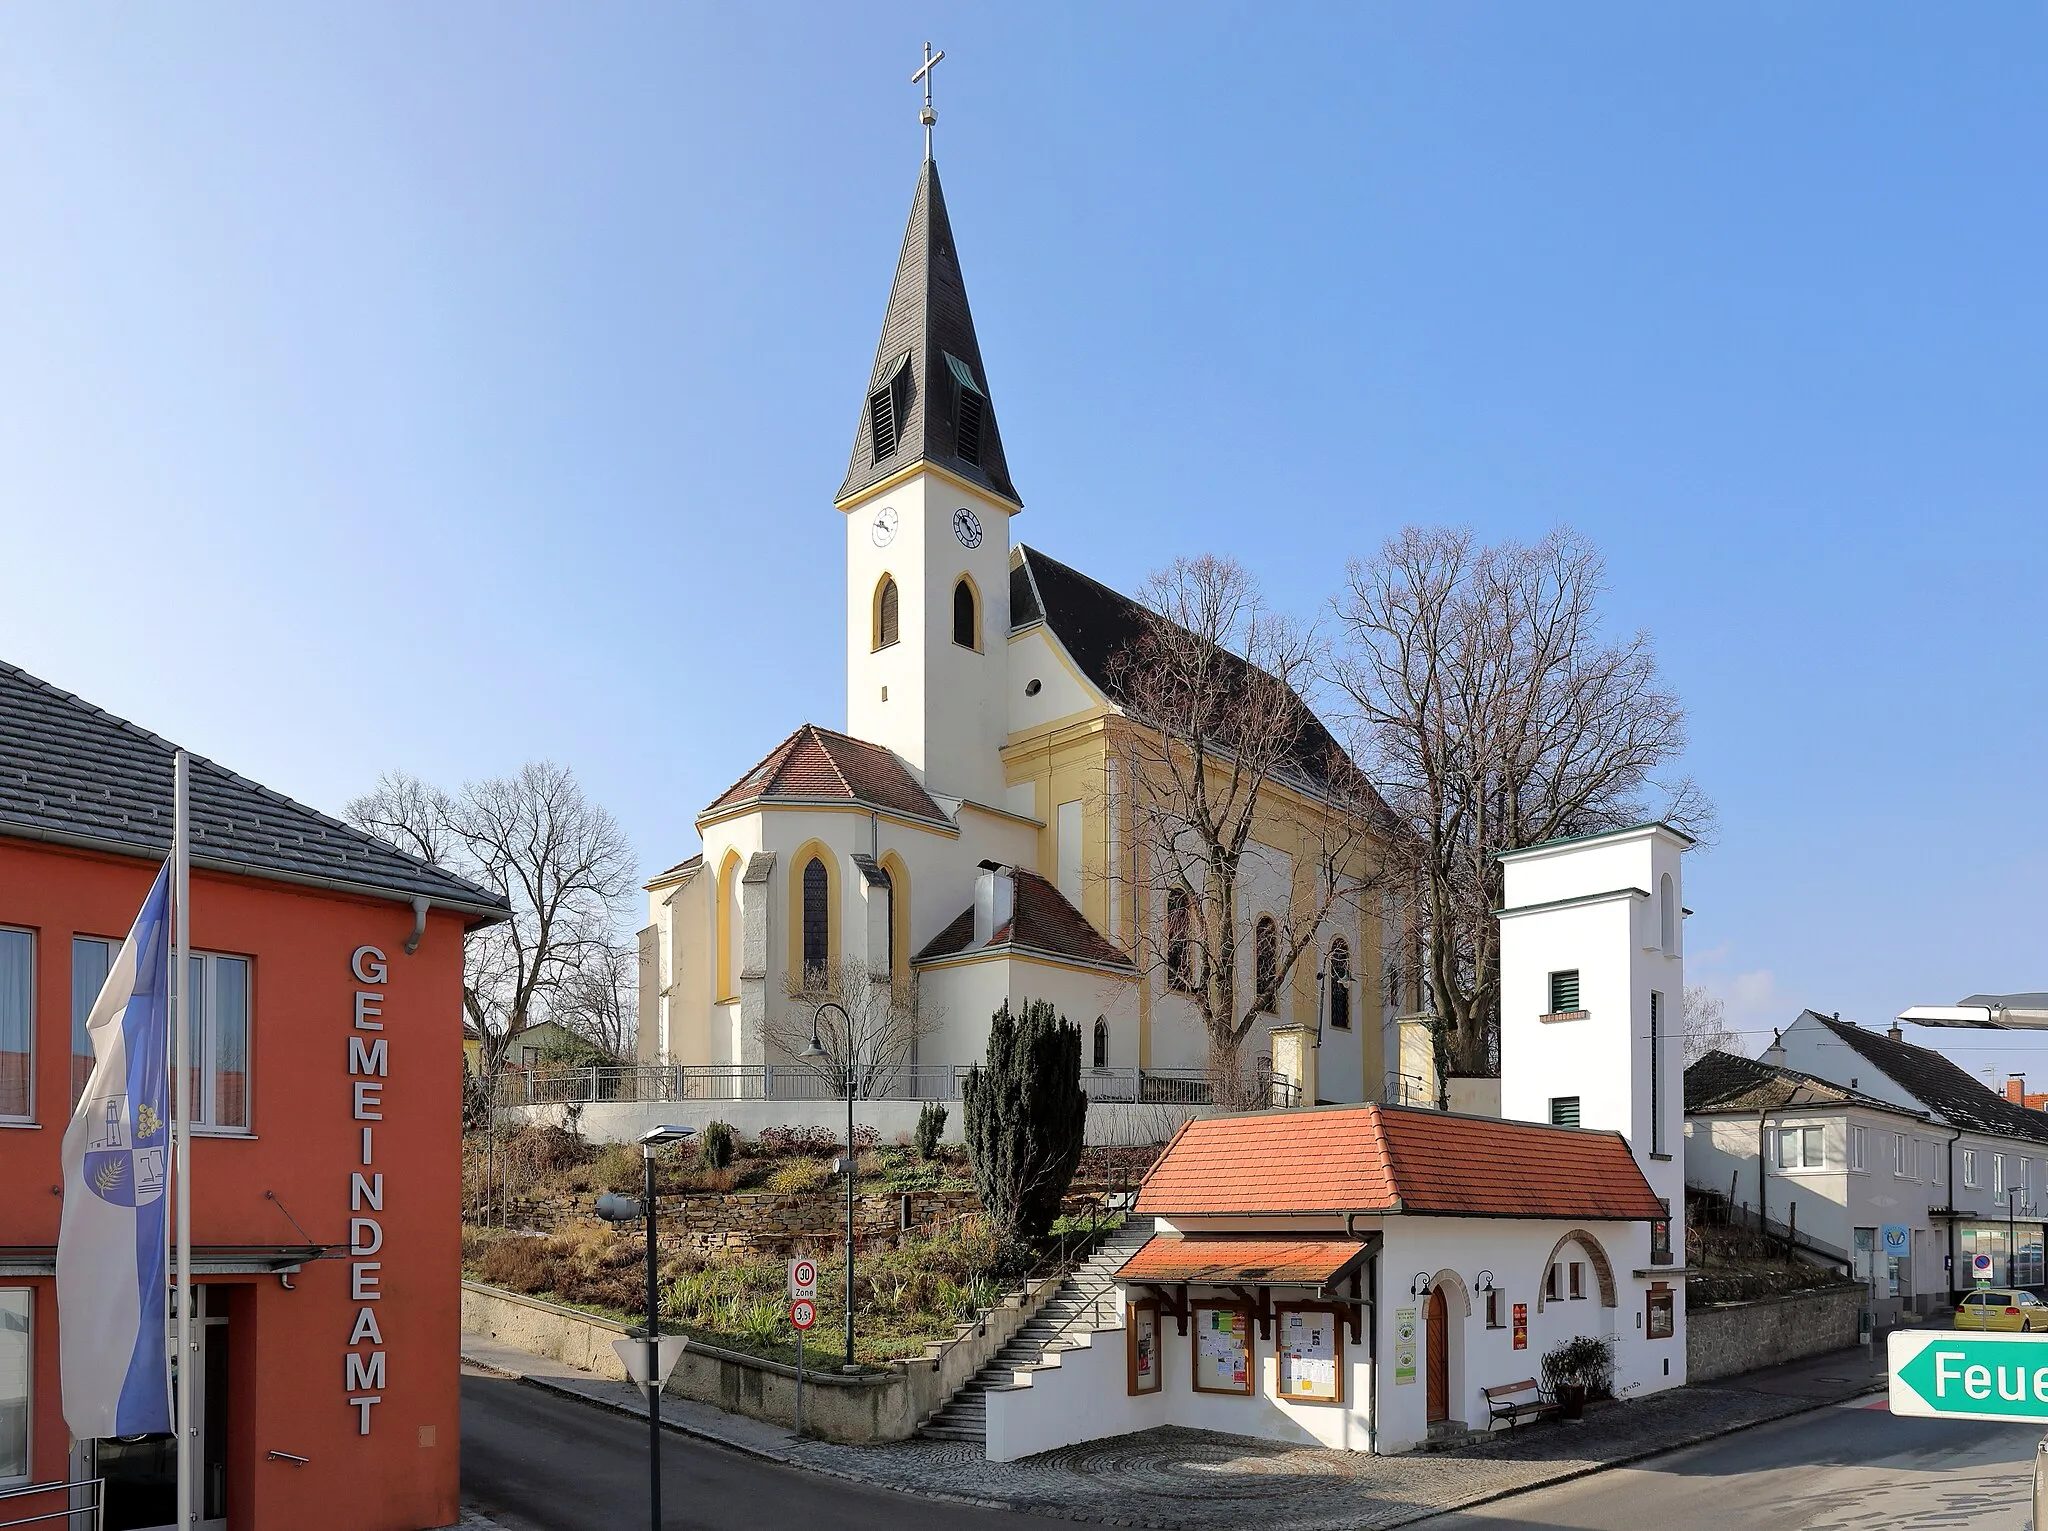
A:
(181, 1053)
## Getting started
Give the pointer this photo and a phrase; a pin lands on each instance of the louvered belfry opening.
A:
(970, 427)
(882, 420)
(887, 603)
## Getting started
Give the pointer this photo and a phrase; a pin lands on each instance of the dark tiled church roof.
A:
(1938, 1084)
(816, 764)
(1722, 1081)
(1044, 922)
(930, 355)
(1097, 626)
(73, 774)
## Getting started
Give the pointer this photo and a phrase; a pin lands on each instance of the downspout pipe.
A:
(420, 906)
(1953, 1134)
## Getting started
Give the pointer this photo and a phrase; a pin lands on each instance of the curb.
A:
(1056, 1512)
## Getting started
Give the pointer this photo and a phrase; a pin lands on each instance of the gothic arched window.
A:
(1101, 1042)
(1340, 985)
(1266, 963)
(1182, 950)
(817, 921)
(966, 621)
(887, 602)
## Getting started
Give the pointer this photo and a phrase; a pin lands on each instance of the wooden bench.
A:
(1506, 1403)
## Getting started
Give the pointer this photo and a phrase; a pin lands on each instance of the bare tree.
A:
(1494, 714)
(599, 1001)
(562, 862)
(877, 1035)
(1214, 724)
(1706, 1024)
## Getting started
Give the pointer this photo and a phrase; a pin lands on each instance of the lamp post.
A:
(812, 1053)
(620, 1209)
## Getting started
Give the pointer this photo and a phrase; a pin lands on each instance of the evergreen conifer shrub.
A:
(931, 1126)
(1026, 1115)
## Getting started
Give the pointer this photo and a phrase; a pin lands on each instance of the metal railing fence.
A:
(89, 1516)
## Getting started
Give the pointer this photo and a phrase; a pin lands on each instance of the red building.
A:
(326, 978)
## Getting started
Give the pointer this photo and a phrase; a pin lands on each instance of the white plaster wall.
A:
(965, 995)
(1036, 655)
(1812, 1049)
(1108, 1123)
(1517, 1253)
(947, 712)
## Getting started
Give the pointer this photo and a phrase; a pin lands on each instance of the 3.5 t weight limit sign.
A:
(802, 1313)
(1978, 1376)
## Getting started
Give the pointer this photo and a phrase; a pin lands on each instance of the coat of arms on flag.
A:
(121, 1165)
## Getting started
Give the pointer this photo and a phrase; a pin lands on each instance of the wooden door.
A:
(1436, 1335)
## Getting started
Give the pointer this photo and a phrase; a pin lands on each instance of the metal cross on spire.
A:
(924, 77)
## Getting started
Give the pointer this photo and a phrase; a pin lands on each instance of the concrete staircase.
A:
(1086, 1300)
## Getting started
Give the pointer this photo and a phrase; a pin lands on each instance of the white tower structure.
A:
(1592, 972)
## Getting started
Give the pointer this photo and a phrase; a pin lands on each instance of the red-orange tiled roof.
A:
(815, 763)
(1395, 1159)
(1043, 921)
(1206, 1259)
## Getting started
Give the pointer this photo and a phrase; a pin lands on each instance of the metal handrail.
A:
(672, 1082)
(97, 1509)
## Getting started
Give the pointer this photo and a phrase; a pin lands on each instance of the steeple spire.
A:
(928, 397)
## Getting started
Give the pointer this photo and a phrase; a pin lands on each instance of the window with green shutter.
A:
(1564, 992)
(1564, 1111)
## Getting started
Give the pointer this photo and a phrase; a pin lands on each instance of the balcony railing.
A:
(634, 1083)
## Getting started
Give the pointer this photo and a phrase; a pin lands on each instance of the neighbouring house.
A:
(539, 1045)
(325, 981)
(966, 839)
(1978, 1165)
(1779, 1145)
(1359, 1276)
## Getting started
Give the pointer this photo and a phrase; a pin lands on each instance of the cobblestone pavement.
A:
(1194, 1479)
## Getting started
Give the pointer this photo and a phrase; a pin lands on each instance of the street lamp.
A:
(814, 1052)
(621, 1209)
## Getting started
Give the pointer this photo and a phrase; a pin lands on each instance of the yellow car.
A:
(2002, 1308)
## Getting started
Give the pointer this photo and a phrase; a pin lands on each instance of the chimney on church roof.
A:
(995, 901)
(928, 397)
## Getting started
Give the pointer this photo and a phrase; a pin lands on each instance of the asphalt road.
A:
(535, 1462)
(1840, 1469)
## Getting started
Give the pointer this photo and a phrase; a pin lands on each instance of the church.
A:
(966, 839)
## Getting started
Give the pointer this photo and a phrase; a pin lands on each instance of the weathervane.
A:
(924, 77)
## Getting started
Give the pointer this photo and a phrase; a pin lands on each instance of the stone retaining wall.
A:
(887, 1405)
(1728, 1338)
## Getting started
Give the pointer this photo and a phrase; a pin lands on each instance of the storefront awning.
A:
(207, 1259)
(1225, 1260)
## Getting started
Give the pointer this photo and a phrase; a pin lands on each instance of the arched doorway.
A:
(1437, 1338)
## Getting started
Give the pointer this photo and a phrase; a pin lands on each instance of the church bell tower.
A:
(927, 502)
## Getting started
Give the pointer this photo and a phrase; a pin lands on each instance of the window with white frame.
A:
(1902, 1156)
(1856, 1150)
(1934, 1157)
(1970, 1169)
(91, 960)
(1799, 1148)
(16, 1377)
(17, 1023)
(1998, 1174)
(219, 993)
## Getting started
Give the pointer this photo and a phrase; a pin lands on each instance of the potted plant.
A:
(1579, 1369)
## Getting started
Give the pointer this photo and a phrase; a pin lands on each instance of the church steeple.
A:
(928, 397)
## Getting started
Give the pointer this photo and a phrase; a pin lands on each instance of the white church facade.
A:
(963, 841)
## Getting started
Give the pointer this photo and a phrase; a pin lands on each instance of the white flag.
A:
(117, 1157)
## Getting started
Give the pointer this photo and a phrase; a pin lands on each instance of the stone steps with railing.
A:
(1087, 1300)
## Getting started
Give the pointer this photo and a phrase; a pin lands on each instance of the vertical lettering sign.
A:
(369, 1065)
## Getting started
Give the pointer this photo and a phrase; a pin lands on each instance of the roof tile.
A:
(1209, 1258)
(816, 763)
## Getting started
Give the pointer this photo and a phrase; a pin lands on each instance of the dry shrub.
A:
(799, 1176)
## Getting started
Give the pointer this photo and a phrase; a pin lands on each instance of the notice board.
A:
(1223, 1348)
(1311, 1354)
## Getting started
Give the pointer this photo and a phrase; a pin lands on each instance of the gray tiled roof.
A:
(1724, 1081)
(74, 774)
(1939, 1084)
(926, 321)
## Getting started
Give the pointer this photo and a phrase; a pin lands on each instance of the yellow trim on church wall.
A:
(899, 921)
(834, 914)
(980, 606)
(800, 805)
(723, 988)
(904, 475)
(875, 643)
(1010, 954)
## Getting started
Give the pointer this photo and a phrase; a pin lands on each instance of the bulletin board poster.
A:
(1404, 1345)
(1223, 1362)
(1521, 1326)
(1144, 1348)
(1311, 1355)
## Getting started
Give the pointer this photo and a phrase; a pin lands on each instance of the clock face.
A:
(967, 527)
(884, 529)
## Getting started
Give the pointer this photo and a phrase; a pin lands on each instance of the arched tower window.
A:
(1101, 1042)
(817, 921)
(1340, 985)
(726, 963)
(1184, 968)
(966, 615)
(1266, 962)
(1667, 909)
(887, 605)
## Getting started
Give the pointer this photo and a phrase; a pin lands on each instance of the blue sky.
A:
(443, 387)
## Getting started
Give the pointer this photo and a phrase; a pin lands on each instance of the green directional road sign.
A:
(1946, 1375)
